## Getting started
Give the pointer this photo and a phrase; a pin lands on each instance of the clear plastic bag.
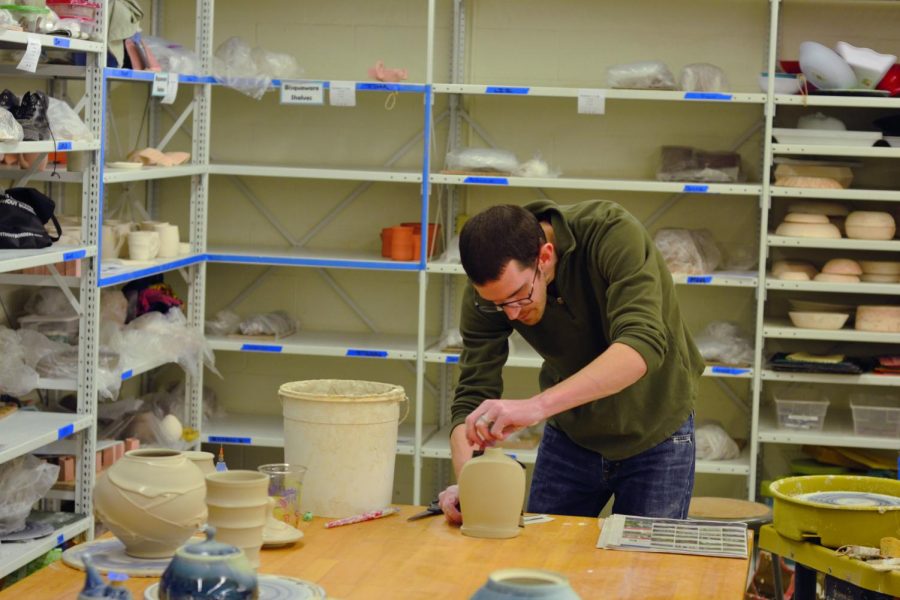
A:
(644, 75)
(225, 323)
(276, 64)
(482, 159)
(145, 419)
(713, 443)
(173, 57)
(703, 77)
(65, 123)
(535, 167)
(113, 306)
(689, 251)
(23, 481)
(682, 163)
(49, 302)
(16, 377)
(10, 130)
(722, 342)
(278, 324)
(235, 66)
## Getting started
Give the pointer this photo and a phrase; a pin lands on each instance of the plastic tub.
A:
(799, 407)
(74, 8)
(59, 329)
(873, 415)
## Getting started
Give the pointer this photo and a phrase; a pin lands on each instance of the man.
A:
(586, 287)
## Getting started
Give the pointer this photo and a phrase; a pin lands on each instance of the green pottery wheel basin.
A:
(835, 526)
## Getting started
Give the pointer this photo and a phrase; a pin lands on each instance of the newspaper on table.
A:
(676, 536)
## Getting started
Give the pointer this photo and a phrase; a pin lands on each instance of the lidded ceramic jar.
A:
(208, 569)
(152, 500)
(491, 495)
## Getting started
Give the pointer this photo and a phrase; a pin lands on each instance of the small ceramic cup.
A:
(168, 239)
(143, 245)
(184, 248)
(205, 461)
(150, 225)
(112, 242)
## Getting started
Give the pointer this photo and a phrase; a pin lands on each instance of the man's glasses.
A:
(490, 307)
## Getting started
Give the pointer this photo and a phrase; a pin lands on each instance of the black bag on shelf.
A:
(23, 214)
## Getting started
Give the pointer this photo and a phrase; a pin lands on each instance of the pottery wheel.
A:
(33, 530)
(271, 587)
(866, 499)
(109, 555)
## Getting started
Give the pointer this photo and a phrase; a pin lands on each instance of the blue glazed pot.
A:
(209, 570)
(525, 584)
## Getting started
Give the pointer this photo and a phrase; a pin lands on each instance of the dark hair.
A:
(491, 239)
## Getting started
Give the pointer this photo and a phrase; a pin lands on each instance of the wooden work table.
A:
(429, 559)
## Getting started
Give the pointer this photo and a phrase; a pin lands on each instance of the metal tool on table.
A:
(433, 509)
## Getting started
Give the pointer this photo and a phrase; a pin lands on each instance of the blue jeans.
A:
(572, 480)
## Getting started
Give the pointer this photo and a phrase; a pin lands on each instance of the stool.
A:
(732, 510)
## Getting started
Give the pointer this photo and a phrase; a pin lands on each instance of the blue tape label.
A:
(453, 358)
(729, 371)
(74, 254)
(696, 189)
(486, 180)
(707, 96)
(699, 279)
(66, 431)
(60, 539)
(367, 353)
(260, 348)
(497, 89)
(227, 439)
(61, 42)
(63, 145)
(127, 374)
(379, 87)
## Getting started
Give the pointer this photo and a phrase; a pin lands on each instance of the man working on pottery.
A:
(586, 287)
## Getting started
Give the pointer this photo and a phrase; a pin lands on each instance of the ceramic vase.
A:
(491, 495)
(152, 500)
(237, 502)
(533, 584)
(205, 461)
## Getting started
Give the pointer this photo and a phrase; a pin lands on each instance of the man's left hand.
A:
(495, 420)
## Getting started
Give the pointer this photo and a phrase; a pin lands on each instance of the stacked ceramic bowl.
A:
(237, 503)
(880, 271)
(849, 68)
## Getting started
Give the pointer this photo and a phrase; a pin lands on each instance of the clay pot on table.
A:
(152, 500)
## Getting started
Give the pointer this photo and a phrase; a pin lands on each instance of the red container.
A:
(402, 243)
(74, 8)
(891, 81)
(434, 236)
(387, 235)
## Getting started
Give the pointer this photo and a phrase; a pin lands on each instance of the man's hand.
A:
(449, 501)
(495, 420)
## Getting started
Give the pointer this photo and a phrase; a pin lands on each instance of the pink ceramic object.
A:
(152, 500)
(382, 73)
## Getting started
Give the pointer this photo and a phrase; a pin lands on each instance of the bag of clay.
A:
(10, 130)
(49, 302)
(644, 75)
(722, 342)
(688, 251)
(235, 66)
(535, 167)
(225, 323)
(173, 57)
(713, 443)
(703, 77)
(276, 324)
(682, 163)
(65, 123)
(482, 159)
(16, 377)
(275, 64)
(23, 481)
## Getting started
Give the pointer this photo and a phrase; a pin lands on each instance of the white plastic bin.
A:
(873, 414)
(801, 407)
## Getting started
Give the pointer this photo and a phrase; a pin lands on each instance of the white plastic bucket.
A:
(345, 433)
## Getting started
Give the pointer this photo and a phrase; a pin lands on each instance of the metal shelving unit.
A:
(314, 343)
(25, 431)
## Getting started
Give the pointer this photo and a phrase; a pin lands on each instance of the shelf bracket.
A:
(176, 126)
(737, 400)
(61, 284)
(27, 175)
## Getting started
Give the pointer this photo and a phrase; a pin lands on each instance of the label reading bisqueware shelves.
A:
(303, 92)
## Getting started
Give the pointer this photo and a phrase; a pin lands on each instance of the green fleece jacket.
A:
(611, 285)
